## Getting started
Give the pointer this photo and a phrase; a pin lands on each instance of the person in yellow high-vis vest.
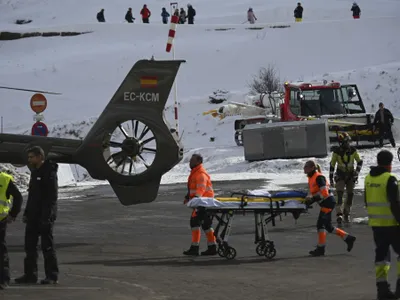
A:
(383, 205)
(10, 206)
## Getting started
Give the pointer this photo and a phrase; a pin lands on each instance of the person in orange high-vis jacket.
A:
(320, 193)
(199, 185)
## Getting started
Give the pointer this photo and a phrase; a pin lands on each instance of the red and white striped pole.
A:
(171, 36)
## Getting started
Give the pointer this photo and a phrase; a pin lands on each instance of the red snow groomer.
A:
(340, 104)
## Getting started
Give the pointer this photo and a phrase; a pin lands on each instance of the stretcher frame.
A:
(224, 216)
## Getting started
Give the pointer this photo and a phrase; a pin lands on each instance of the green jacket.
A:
(345, 160)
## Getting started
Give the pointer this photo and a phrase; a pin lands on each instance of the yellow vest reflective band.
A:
(378, 205)
(5, 204)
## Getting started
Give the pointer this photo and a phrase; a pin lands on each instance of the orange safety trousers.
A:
(324, 224)
(200, 218)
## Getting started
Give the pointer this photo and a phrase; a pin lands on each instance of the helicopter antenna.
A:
(27, 90)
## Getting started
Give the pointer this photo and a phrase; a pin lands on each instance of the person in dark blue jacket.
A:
(164, 15)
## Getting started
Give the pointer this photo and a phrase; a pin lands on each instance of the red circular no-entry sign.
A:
(38, 103)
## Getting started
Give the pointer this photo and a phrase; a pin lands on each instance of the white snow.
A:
(65, 176)
(87, 69)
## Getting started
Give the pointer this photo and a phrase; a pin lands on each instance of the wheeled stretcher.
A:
(265, 206)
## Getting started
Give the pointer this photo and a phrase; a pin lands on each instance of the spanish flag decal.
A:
(148, 82)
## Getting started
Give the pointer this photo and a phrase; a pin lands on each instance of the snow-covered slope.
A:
(88, 68)
(59, 12)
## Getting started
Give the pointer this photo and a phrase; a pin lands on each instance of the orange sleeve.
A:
(201, 184)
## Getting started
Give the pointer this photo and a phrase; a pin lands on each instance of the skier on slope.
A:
(191, 13)
(164, 15)
(251, 18)
(356, 11)
(129, 16)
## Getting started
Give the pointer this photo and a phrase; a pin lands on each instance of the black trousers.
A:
(384, 237)
(385, 131)
(4, 260)
(200, 218)
(325, 215)
(34, 230)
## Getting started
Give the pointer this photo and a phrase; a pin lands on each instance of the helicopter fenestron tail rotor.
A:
(131, 149)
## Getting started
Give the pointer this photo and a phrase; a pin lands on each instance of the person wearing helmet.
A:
(345, 177)
(320, 192)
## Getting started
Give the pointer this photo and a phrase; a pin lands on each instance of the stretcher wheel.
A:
(260, 250)
(221, 251)
(230, 253)
(270, 252)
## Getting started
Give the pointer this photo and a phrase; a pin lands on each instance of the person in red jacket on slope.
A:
(146, 13)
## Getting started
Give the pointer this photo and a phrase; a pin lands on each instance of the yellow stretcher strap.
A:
(257, 199)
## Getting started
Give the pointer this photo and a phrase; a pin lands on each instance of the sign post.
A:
(38, 105)
(172, 7)
(171, 36)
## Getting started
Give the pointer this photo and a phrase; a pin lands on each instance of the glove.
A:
(308, 202)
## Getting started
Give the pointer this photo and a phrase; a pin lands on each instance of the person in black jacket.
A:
(191, 13)
(39, 216)
(383, 121)
(100, 16)
(356, 11)
(8, 215)
(298, 13)
(129, 16)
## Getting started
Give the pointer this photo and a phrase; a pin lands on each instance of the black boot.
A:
(319, 251)
(192, 251)
(26, 279)
(49, 281)
(339, 220)
(211, 250)
(4, 285)
(350, 242)
(393, 143)
(384, 292)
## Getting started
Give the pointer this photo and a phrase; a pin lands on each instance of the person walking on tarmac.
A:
(383, 206)
(344, 156)
(199, 185)
(10, 207)
(320, 193)
(383, 121)
(39, 216)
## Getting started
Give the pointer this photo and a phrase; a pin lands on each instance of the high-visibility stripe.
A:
(382, 271)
